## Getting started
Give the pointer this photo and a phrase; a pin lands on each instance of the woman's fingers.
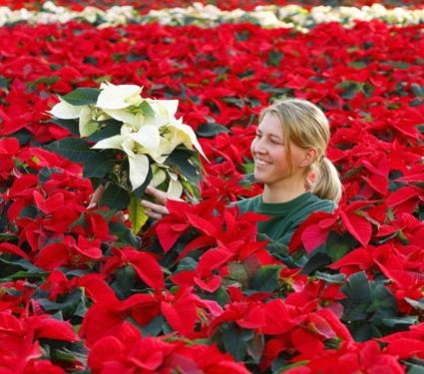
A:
(153, 208)
(121, 216)
(97, 195)
(159, 195)
(155, 216)
(157, 209)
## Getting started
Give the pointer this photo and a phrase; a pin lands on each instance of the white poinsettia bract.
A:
(149, 130)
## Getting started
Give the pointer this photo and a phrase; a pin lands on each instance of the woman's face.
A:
(270, 153)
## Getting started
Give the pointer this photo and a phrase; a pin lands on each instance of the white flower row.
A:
(271, 16)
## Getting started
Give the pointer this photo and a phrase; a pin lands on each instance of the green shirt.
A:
(285, 218)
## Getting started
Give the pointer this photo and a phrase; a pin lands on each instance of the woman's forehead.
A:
(270, 123)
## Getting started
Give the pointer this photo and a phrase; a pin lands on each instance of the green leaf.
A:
(399, 64)
(45, 80)
(417, 304)
(279, 365)
(124, 234)
(209, 130)
(74, 149)
(274, 58)
(358, 64)
(384, 303)
(255, 347)
(45, 174)
(182, 160)
(4, 83)
(68, 306)
(71, 356)
(266, 278)
(367, 300)
(415, 367)
(71, 125)
(137, 214)
(96, 163)
(23, 136)
(99, 164)
(9, 272)
(404, 321)
(331, 278)
(417, 90)
(154, 327)
(29, 211)
(124, 281)
(187, 263)
(236, 101)
(82, 96)
(221, 296)
(131, 57)
(317, 260)
(242, 35)
(25, 264)
(107, 129)
(338, 246)
(359, 297)
(115, 197)
(349, 89)
(364, 331)
(235, 341)
(238, 273)
(24, 275)
(6, 237)
(276, 90)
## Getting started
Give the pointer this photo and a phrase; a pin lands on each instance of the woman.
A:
(290, 161)
(289, 156)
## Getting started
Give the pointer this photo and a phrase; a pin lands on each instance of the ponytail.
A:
(328, 184)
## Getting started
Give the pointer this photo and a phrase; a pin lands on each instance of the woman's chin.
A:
(259, 178)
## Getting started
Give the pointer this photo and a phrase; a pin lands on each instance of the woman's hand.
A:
(157, 209)
(96, 197)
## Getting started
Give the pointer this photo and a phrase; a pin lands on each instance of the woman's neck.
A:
(282, 193)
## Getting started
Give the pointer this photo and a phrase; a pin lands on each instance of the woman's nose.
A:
(259, 146)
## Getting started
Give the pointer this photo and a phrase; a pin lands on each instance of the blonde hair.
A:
(306, 126)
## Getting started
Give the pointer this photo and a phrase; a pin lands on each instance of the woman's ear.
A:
(309, 157)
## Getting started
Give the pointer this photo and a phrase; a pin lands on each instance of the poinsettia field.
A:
(199, 291)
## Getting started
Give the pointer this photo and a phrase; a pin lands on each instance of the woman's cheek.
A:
(252, 146)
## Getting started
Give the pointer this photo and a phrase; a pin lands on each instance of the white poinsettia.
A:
(155, 134)
(180, 133)
(136, 145)
(159, 176)
(64, 110)
(149, 131)
(138, 163)
(135, 120)
(148, 137)
(164, 110)
(86, 124)
(175, 188)
(118, 97)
